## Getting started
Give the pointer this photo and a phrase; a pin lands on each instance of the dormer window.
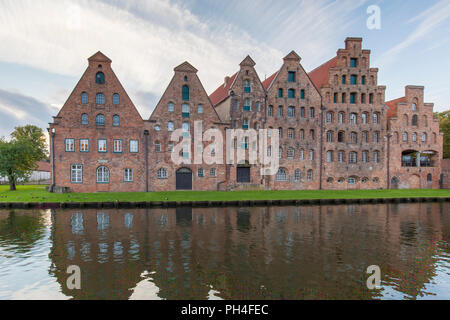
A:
(100, 78)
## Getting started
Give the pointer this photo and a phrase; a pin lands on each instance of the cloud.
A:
(430, 19)
(18, 110)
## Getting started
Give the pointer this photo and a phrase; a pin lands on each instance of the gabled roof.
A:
(392, 106)
(99, 57)
(266, 83)
(320, 75)
(248, 61)
(185, 67)
(222, 92)
(292, 56)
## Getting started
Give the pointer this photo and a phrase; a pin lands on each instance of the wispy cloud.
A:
(17, 109)
(429, 20)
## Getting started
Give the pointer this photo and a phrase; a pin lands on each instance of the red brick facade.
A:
(336, 131)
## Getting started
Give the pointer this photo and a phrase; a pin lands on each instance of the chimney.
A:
(225, 81)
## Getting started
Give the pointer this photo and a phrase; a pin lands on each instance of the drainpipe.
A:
(321, 145)
(52, 151)
(388, 154)
(146, 133)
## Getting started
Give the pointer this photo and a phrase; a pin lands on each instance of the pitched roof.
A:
(266, 83)
(292, 56)
(222, 92)
(392, 105)
(100, 57)
(185, 67)
(248, 61)
(320, 75)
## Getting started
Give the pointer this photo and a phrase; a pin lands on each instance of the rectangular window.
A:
(201, 173)
(117, 146)
(247, 106)
(291, 112)
(212, 173)
(280, 93)
(353, 79)
(280, 111)
(291, 76)
(70, 145)
(353, 62)
(170, 147)
(270, 111)
(291, 93)
(102, 145)
(84, 145)
(76, 173)
(128, 175)
(352, 98)
(363, 80)
(311, 112)
(343, 79)
(302, 112)
(170, 107)
(185, 111)
(134, 146)
(302, 94)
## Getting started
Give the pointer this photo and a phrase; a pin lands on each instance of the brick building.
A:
(336, 131)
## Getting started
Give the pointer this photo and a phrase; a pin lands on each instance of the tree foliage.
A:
(18, 156)
(444, 119)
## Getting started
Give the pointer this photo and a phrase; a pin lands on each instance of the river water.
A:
(307, 252)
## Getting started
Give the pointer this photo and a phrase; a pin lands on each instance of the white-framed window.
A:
(353, 157)
(353, 118)
(117, 146)
(302, 154)
(341, 117)
(364, 118)
(157, 146)
(102, 175)
(365, 156)
(170, 126)
(351, 180)
(162, 173)
(329, 117)
(84, 145)
(281, 174)
(297, 175)
(70, 145)
(134, 146)
(185, 110)
(76, 173)
(329, 156)
(200, 109)
(375, 118)
(186, 129)
(102, 145)
(341, 156)
(128, 175)
(170, 107)
(414, 107)
(310, 175)
(405, 136)
(311, 155)
(200, 173)
(212, 172)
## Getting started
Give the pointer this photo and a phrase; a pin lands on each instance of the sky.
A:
(45, 45)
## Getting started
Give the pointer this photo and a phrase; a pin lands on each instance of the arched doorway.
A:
(414, 182)
(394, 183)
(243, 173)
(184, 179)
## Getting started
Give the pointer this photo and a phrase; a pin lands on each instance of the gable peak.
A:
(185, 67)
(99, 57)
(292, 56)
(248, 62)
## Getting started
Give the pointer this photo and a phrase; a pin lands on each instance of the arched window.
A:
(185, 110)
(341, 117)
(429, 177)
(353, 157)
(353, 117)
(329, 117)
(341, 136)
(280, 132)
(102, 175)
(414, 107)
(170, 126)
(414, 137)
(375, 118)
(280, 153)
(116, 98)
(84, 119)
(329, 156)
(405, 136)
(365, 137)
(364, 118)
(100, 120)
(329, 136)
(376, 156)
(310, 175)
(297, 175)
(100, 98)
(311, 154)
(424, 137)
(162, 173)
(302, 154)
(365, 156)
(291, 153)
(291, 133)
(302, 134)
(312, 134)
(281, 174)
(341, 156)
(100, 78)
(354, 137)
(84, 98)
(185, 95)
(414, 120)
(186, 129)
(116, 120)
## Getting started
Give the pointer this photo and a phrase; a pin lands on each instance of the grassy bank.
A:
(38, 194)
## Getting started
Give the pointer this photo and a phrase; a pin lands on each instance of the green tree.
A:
(16, 160)
(37, 138)
(444, 119)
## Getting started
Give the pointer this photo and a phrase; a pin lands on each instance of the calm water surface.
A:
(310, 252)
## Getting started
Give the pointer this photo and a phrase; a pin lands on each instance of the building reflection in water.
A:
(251, 253)
(229, 253)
